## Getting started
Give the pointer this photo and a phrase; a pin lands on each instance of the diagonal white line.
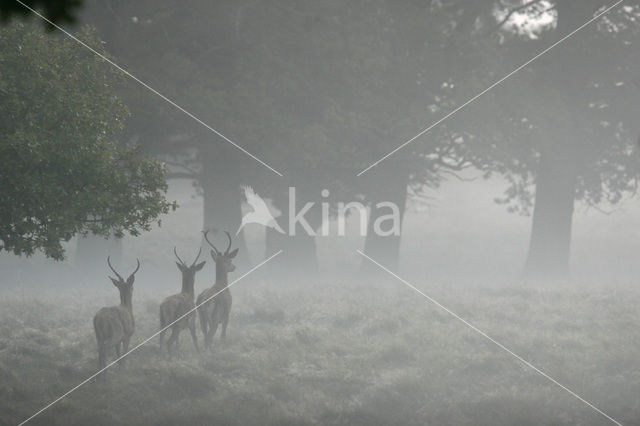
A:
(595, 18)
(491, 339)
(151, 89)
(147, 340)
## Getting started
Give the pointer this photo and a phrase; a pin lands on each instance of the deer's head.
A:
(223, 259)
(125, 287)
(188, 271)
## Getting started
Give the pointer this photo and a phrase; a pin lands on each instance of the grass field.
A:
(338, 353)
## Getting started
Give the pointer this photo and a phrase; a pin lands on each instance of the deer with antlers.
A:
(179, 309)
(114, 325)
(214, 304)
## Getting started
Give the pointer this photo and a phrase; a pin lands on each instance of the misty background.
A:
(444, 240)
(321, 90)
(519, 212)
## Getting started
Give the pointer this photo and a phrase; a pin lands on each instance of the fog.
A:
(445, 241)
(491, 148)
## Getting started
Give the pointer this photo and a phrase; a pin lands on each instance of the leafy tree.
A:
(64, 173)
(58, 11)
(574, 126)
(322, 89)
(191, 54)
(317, 89)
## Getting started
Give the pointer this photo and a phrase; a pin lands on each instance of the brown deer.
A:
(178, 305)
(114, 325)
(215, 310)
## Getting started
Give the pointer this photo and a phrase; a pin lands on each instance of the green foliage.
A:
(63, 170)
(58, 11)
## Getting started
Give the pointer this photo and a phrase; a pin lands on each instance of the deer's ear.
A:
(199, 266)
(179, 266)
(131, 279)
(115, 281)
(214, 256)
(233, 254)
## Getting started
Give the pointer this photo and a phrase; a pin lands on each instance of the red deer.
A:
(114, 325)
(178, 305)
(215, 310)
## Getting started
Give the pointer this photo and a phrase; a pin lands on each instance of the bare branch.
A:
(514, 11)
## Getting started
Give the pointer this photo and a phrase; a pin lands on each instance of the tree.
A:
(64, 173)
(320, 92)
(573, 127)
(58, 11)
(229, 68)
(190, 54)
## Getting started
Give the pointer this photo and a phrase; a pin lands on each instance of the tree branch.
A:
(514, 11)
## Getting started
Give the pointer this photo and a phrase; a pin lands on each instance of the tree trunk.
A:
(550, 242)
(391, 187)
(222, 200)
(300, 249)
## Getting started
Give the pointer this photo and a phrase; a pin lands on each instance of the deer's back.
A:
(112, 324)
(175, 306)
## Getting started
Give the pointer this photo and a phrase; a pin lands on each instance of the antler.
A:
(137, 267)
(114, 271)
(182, 261)
(207, 239)
(197, 257)
(229, 246)
(176, 253)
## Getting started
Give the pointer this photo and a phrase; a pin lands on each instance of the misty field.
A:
(336, 353)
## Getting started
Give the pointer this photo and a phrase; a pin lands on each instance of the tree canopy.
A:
(320, 90)
(57, 11)
(64, 171)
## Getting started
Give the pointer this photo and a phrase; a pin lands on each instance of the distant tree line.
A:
(321, 89)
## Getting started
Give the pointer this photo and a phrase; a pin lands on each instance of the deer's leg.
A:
(205, 323)
(225, 321)
(173, 340)
(117, 349)
(212, 331)
(202, 316)
(208, 339)
(205, 331)
(125, 348)
(162, 341)
(194, 337)
(101, 362)
(215, 319)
